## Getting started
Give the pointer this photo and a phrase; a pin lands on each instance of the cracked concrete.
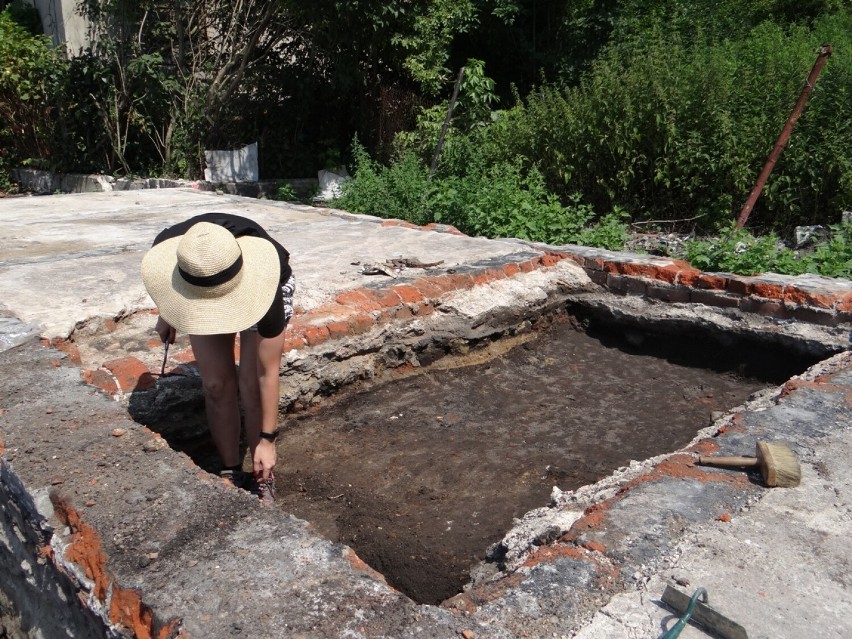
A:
(108, 532)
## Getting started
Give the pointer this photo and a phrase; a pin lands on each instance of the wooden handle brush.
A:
(777, 463)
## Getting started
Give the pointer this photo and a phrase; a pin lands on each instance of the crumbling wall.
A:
(37, 599)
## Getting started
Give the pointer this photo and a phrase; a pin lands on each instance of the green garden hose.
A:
(678, 627)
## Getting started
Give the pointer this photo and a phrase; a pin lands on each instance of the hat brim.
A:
(191, 309)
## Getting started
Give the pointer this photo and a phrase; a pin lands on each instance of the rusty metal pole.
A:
(447, 119)
(824, 53)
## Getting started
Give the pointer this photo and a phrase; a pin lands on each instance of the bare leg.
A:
(250, 388)
(215, 357)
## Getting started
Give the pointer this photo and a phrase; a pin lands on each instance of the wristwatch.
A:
(270, 437)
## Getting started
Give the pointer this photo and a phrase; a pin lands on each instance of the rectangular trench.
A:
(423, 475)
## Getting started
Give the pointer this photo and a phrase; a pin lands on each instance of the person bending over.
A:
(213, 276)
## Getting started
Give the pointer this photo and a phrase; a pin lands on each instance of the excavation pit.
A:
(423, 476)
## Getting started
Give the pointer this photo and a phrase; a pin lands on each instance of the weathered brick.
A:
(768, 290)
(739, 285)
(408, 293)
(337, 330)
(130, 374)
(362, 322)
(626, 284)
(292, 342)
(843, 303)
(598, 277)
(713, 281)
(459, 281)
(315, 335)
(764, 307)
(814, 298)
(359, 300)
(511, 269)
(69, 348)
(529, 266)
(813, 315)
(676, 294)
(385, 298)
(401, 223)
(101, 379)
(714, 298)
(428, 288)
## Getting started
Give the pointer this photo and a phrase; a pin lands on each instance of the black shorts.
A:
(279, 314)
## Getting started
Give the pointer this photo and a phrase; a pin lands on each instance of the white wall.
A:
(62, 22)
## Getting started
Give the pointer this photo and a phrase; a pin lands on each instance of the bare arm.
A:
(269, 352)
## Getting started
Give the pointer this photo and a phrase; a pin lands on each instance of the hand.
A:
(165, 330)
(265, 456)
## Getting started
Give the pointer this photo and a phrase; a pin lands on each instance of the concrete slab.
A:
(105, 531)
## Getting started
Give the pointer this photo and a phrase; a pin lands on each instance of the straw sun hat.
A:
(208, 282)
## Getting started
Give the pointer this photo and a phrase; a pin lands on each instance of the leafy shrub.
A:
(32, 72)
(502, 200)
(285, 193)
(738, 251)
(674, 123)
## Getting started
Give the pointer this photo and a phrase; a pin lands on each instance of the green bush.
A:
(31, 72)
(502, 200)
(673, 125)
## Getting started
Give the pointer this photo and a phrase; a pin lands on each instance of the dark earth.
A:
(421, 476)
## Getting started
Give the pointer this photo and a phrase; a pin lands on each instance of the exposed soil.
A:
(421, 475)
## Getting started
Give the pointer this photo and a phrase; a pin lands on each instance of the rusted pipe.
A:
(824, 53)
(447, 119)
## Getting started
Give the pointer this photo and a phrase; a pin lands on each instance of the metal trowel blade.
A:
(704, 615)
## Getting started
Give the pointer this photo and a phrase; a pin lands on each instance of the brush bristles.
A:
(778, 465)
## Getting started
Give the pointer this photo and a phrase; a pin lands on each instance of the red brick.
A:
(689, 278)
(408, 293)
(385, 298)
(667, 273)
(511, 269)
(739, 285)
(338, 329)
(443, 283)
(766, 289)
(428, 288)
(806, 298)
(100, 379)
(716, 282)
(357, 299)
(315, 335)
(362, 322)
(550, 260)
(69, 348)
(424, 309)
(843, 303)
(462, 281)
(130, 373)
(488, 275)
(401, 223)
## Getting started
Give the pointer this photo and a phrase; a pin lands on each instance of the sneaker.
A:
(265, 488)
